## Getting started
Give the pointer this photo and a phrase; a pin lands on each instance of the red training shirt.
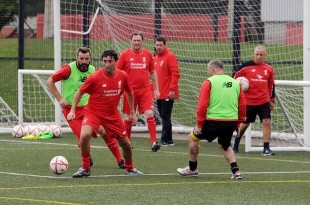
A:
(261, 81)
(105, 91)
(137, 65)
(168, 73)
(62, 74)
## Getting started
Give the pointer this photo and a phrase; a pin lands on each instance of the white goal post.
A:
(8, 119)
(289, 127)
(37, 105)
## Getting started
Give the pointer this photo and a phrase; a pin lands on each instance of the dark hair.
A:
(111, 53)
(161, 39)
(83, 50)
(137, 33)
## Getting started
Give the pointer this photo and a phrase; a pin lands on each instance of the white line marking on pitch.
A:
(169, 174)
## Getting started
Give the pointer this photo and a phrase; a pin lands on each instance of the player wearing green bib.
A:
(221, 107)
(72, 76)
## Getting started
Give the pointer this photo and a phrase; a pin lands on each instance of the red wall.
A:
(177, 27)
(294, 34)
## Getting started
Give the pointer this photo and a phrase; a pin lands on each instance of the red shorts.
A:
(113, 124)
(75, 124)
(143, 100)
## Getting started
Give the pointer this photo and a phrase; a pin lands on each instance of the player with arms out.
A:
(105, 88)
(221, 107)
(260, 96)
(72, 76)
(137, 62)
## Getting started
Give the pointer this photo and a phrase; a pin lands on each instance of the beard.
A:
(83, 67)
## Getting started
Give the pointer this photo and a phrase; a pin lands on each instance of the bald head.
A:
(260, 54)
(215, 67)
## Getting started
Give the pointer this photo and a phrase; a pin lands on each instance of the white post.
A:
(57, 54)
(248, 142)
(306, 68)
(20, 98)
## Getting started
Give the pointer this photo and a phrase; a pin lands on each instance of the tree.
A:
(33, 7)
(8, 11)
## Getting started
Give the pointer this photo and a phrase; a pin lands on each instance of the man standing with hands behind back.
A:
(167, 69)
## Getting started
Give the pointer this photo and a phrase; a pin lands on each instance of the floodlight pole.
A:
(236, 35)
(85, 23)
(21, 41)
(157, 20)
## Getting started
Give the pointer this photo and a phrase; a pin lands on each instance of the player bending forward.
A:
(105, 88)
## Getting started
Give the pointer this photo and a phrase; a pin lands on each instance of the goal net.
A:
(287, 120)
(198, 31)
(8, 119)
(36, 104)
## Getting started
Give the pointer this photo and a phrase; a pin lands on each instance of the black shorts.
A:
(263, 111)
(215, 129)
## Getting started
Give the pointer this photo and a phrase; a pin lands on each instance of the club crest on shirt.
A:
(104, 85)
(265, 72)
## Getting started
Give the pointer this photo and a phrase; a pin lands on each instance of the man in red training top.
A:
(168, 73)
(137, 62)
(221, 107)
(72, 76)
(105, 88)
(259, 97)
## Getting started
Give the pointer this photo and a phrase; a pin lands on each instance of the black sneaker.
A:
(268, 152)
(170, 144)
(81, 173)
(155, 146)
(163, 144)
(91, 161)
(121, 164)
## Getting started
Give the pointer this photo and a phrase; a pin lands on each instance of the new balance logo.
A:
(83, 79)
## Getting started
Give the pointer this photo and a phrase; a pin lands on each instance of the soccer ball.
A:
(43, 128)
(31, 129)
(244, 83)
(59, 165)
(56, 130)
(18, 131)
